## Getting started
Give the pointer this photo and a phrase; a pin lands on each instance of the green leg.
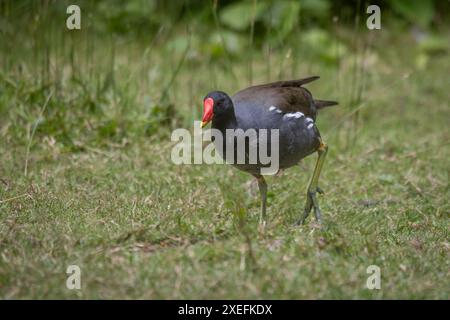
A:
(313, 188)
(263, 192)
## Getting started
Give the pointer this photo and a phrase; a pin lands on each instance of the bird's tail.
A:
(320, 104)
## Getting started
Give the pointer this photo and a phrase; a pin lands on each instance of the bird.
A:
(283, 105)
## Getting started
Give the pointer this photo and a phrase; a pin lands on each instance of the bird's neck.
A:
(224, 122)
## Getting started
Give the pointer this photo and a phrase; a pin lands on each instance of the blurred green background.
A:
(138, 52)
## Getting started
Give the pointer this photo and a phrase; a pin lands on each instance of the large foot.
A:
(313, 188)
(312, 202)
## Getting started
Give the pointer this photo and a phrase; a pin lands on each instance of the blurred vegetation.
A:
(83, 67)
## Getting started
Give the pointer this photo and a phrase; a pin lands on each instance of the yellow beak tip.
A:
(203, 124)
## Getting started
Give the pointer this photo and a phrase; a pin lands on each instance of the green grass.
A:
(101, 192)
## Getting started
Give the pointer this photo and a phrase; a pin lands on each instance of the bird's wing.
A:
(286, 99)
(288, 96)
(288, 83)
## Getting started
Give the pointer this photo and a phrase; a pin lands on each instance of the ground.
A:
(82, 189)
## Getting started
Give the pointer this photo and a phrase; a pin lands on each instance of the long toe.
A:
(311, 204)
(302, 219)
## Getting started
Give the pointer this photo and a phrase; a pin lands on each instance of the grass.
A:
(86, 179)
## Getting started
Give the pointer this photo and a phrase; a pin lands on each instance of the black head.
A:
(216, 105)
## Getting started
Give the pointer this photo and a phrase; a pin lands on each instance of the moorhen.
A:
(282, 105)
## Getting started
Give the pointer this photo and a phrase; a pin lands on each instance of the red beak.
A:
(208, 105)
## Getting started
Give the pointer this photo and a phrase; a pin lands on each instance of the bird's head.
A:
(216, 104)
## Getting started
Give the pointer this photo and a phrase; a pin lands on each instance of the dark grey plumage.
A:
(282, 105)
